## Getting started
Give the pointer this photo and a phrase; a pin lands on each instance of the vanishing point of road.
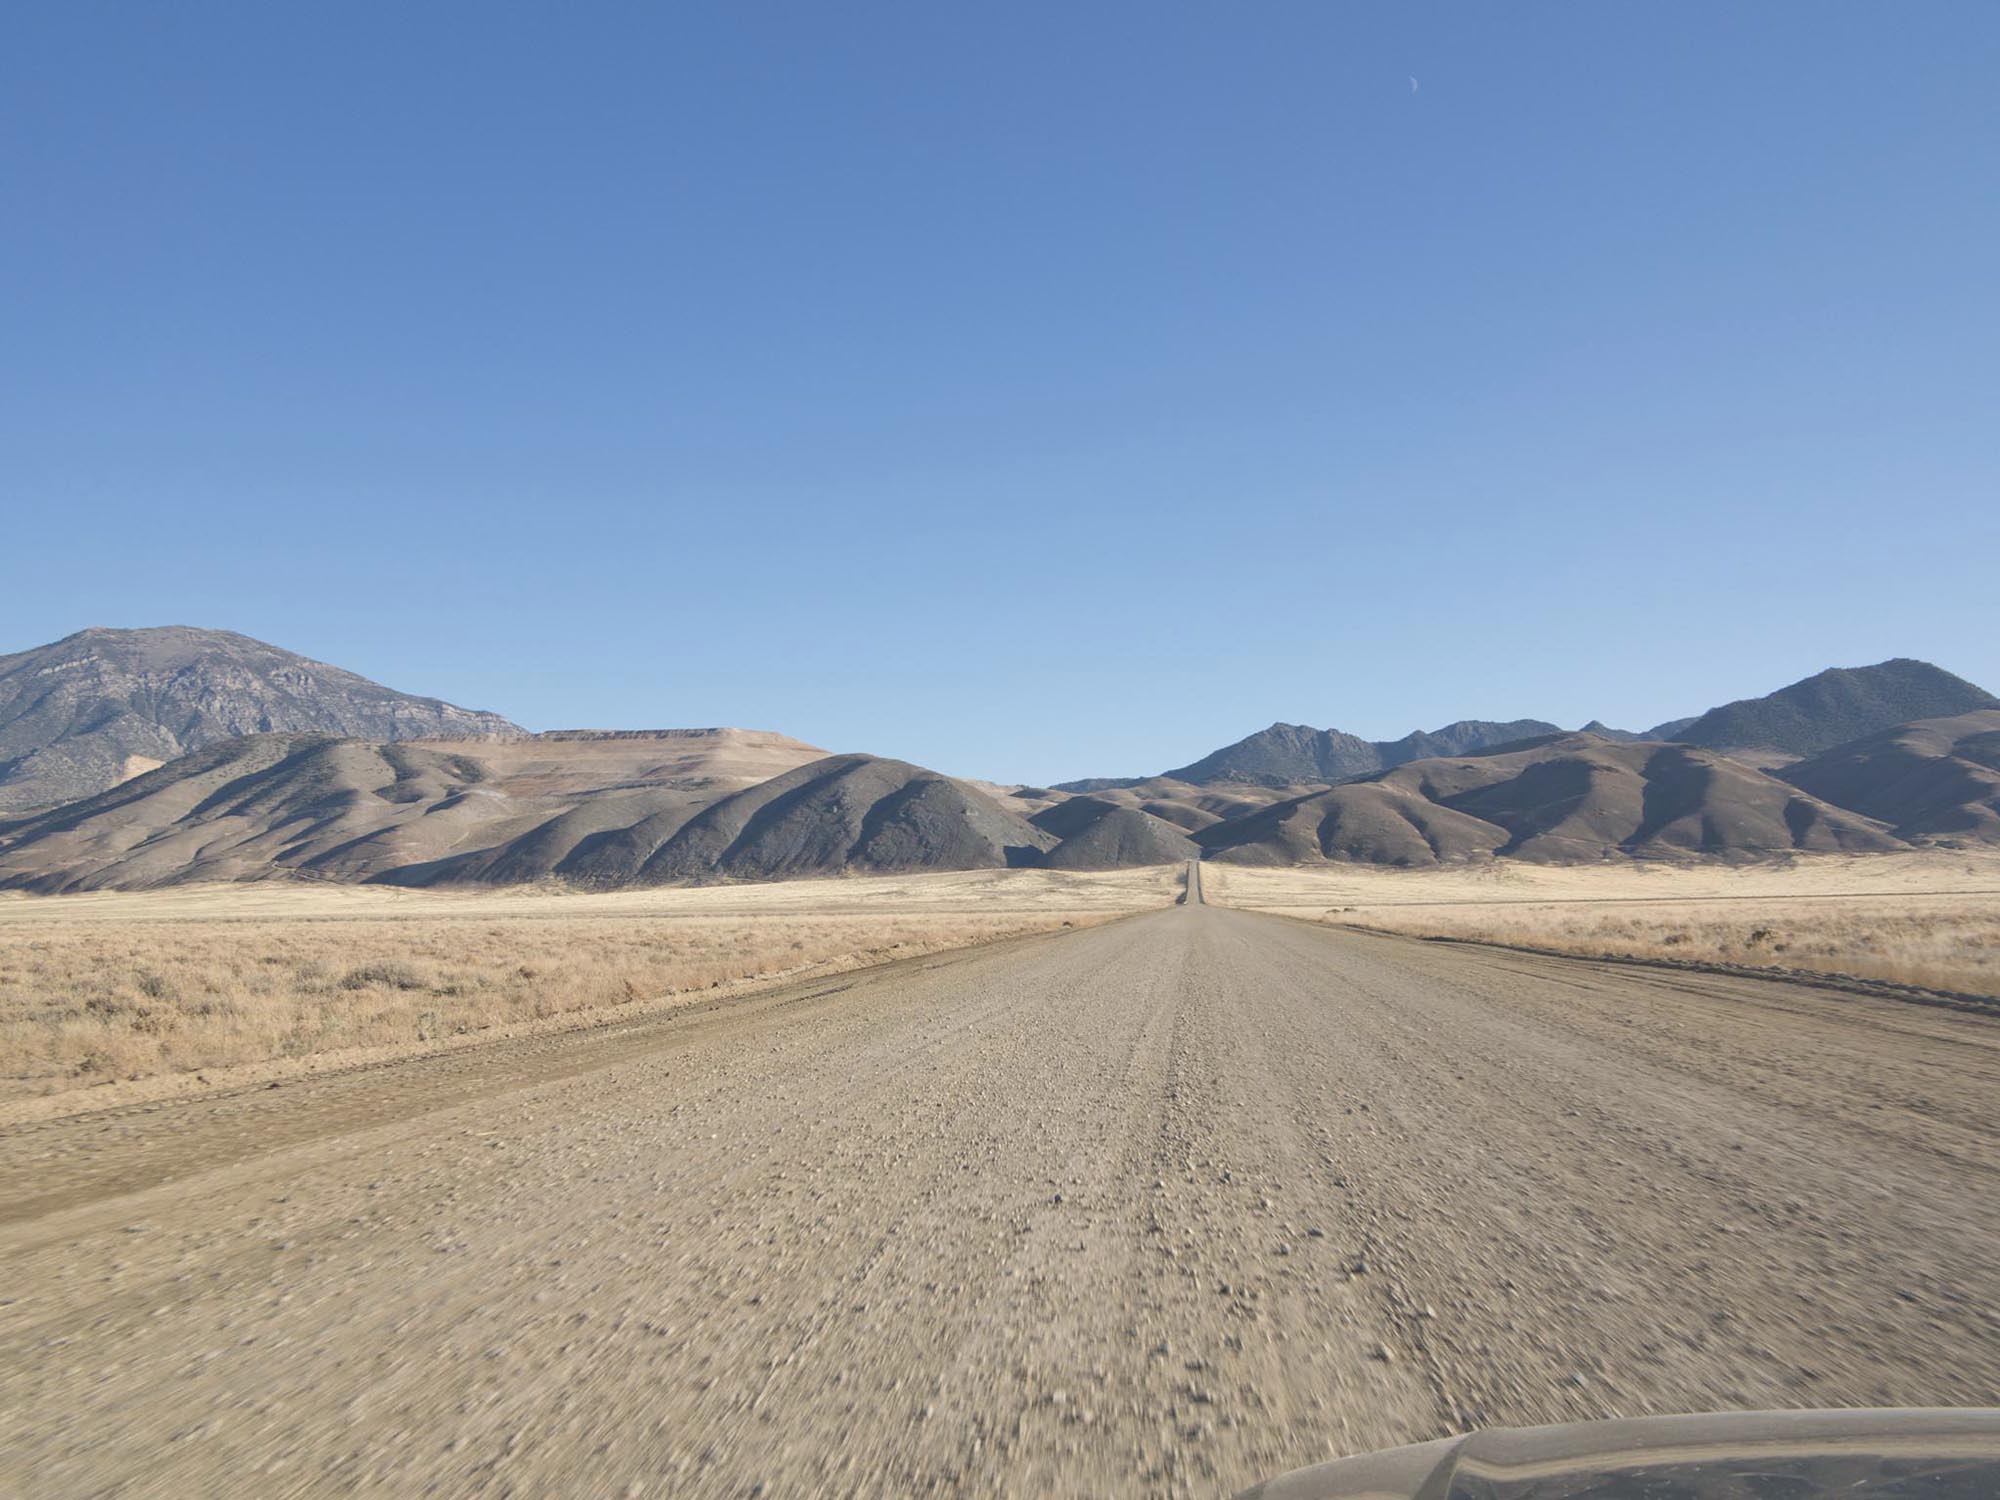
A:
(1153, 1208)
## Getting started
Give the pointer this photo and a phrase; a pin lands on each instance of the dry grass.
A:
(130, 986)
(1941, 943)
(1931, 919)
(981, 892)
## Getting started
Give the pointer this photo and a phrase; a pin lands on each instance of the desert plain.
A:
(112, 996)
(1927, 920)
(991, 1183)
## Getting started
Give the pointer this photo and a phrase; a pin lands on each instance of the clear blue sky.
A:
(1025, 390)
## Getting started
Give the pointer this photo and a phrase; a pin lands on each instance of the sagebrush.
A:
(92, 1001)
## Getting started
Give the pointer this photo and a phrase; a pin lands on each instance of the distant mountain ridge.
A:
(620, 811)
(93, 709)
(1817, 713)
(1299, 755)
(432, 794)
(1097, 834)
(1833, 707)
(1564, 798)
(1935, 780)
(590, 813)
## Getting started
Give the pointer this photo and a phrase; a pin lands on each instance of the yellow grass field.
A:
(115, 996)
(1927, 919)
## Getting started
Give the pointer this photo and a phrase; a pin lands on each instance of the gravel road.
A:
(1155, 1208)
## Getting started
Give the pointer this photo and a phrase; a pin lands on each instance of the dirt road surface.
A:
(1156, 1208)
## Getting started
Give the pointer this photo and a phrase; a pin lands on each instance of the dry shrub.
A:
(392, 976)
(90, 1001)
(1928, 918)
(1942, 943)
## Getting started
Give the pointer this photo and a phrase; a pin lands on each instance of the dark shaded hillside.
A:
(1562, 799)
(1822, 711)
(263, 805)
(1298, 755)
(847, 812)
(1174, 802)
(1101, 835)
(616, 808)
(1836, 706)
(313, 806)
(1936, 779)
(1363, 822)
(301, 805)
(95, 708)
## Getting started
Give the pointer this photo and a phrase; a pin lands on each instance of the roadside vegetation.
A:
(1942, 943)
(1932, 921)
(96, 990)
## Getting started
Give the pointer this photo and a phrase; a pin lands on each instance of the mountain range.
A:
(1833, 707)
(96, 708)
(273, 765)
(1560, 799)
(1297, 754)
(1827, 709)
(1932, 779)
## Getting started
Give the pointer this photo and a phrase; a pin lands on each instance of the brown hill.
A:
(260, 805)
(1936, 779)
(1291, 755)
(328, 808)
(595, 810)
(1560, 799)
(1098, 834)
(1187, 807)
(1827, 709)
(1363, 822)
(1833, 708)
(844, 812)
(96, 708)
